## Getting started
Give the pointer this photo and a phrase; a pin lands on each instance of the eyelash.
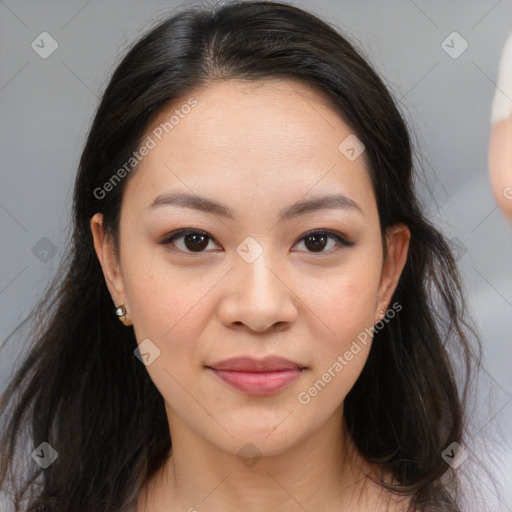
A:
(167, 241)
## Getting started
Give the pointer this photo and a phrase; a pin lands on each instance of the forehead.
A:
(269, 112)
(278, 135)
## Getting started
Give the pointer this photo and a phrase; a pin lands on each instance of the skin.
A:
(500, 165)
(255, 147)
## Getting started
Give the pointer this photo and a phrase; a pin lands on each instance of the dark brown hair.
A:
(81, 389)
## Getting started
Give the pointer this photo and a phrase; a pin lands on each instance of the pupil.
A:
(197, 244)
(316, 245)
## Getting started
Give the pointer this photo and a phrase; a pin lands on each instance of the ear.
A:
(110, 265)
(397, 237)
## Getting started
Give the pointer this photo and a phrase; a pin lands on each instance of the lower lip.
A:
(258, 383)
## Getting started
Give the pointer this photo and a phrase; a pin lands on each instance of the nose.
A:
(259, 297)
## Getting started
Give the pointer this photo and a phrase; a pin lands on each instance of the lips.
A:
(249, 364)
(257, 376)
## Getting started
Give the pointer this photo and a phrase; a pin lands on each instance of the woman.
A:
(255, 314)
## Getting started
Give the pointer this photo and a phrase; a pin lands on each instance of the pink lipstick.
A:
(257, 376)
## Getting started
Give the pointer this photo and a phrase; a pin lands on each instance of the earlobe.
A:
(109, 264)
(398, 238)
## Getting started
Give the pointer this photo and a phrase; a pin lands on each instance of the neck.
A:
(322, 472)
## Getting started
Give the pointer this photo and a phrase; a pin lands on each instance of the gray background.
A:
(46, 107)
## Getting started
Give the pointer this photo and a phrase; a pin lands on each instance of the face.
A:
(253, 276)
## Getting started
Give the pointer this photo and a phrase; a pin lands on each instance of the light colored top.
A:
(502, 101)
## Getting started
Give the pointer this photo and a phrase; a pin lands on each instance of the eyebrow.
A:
(204, 204)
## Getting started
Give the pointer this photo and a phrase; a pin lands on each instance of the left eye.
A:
(196, 241)
(317, 240)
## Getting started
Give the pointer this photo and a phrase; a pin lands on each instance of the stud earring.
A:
(121, 311)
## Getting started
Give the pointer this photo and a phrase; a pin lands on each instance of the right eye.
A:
(191, 240)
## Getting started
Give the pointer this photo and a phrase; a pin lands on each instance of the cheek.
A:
(348, 305)
(345, 305)
(169, 305)
(152, 291)
(341, 352)
(345, 300)
(167, 308)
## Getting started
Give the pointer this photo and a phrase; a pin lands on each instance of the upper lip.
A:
(250, 364)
